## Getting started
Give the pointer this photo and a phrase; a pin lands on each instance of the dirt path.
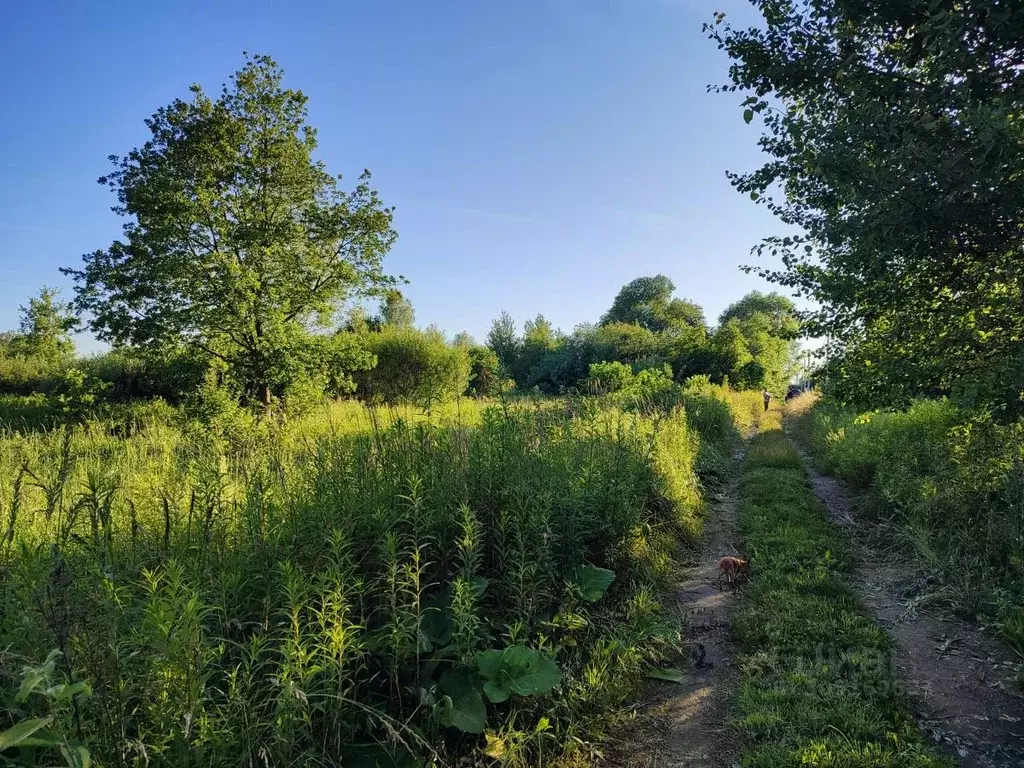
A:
(959, 679)
(682, 725)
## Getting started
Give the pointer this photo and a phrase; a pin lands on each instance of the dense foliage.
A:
(895, 138)
(753, 346)
(412, 365)
(355, 585)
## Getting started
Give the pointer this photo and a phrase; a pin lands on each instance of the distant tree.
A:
(238, 242)
(539, 339)
(504, 340)
(484, 370)
(464, 339)
(777, 310)
(648, 302)
(358, 320)
(45, 328)
(396, 310)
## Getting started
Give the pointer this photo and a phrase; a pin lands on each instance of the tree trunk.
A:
(265, 394)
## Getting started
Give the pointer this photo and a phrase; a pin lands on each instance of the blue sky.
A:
(540, 153)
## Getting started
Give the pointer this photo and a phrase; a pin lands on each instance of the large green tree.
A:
(648, 302)
(238, 241)
(895, 134)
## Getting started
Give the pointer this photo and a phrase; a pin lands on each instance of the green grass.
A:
(309, 590)
(817, 685)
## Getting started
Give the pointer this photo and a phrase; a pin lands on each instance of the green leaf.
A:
(517, 669)
(748, 115)
(670, 674)
(468, 712)
(591, 581)
(20, 732)
(77, 756)
(435, 627)
(479, 584)
(495, 693)
(34, 678)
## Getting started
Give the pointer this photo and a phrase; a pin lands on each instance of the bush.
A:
(133, 373)
(412, 366)
(609, 377)
(30, 375)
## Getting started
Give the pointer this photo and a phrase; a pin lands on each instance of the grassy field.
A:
(817, 684)
(373, 586)
(944, 487)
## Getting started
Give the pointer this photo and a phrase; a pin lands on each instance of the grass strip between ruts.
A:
(817, 685)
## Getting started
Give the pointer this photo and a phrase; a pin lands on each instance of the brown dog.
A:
(732, 569)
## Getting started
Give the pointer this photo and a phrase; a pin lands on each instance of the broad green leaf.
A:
(495, 692)
(748, 115)
(20, 732)
(479, 584)
(670, 674)
(517, 669)
(468, 712)
(487, 663)
(78, 756)
(435, 627)
(591, 581)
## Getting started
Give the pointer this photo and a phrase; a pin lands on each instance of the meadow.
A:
(375, 586)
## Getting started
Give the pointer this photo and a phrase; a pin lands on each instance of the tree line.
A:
(239, 250)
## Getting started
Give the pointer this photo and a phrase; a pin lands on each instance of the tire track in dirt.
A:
(683, 725)
(959, 679)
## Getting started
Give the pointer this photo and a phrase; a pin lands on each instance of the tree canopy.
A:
(648, 302)
(895, 139)
(238, 241)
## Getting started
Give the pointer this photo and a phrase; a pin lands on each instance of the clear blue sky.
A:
(540, 153)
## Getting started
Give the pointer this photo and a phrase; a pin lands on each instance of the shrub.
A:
(609, 377)
(412, 366)
(30, 375)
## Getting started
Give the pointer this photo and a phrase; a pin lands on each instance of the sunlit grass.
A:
(286, 591)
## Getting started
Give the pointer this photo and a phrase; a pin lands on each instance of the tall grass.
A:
(948, 483)
(354, 587)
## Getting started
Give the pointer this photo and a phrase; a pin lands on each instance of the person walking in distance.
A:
(767, 399)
